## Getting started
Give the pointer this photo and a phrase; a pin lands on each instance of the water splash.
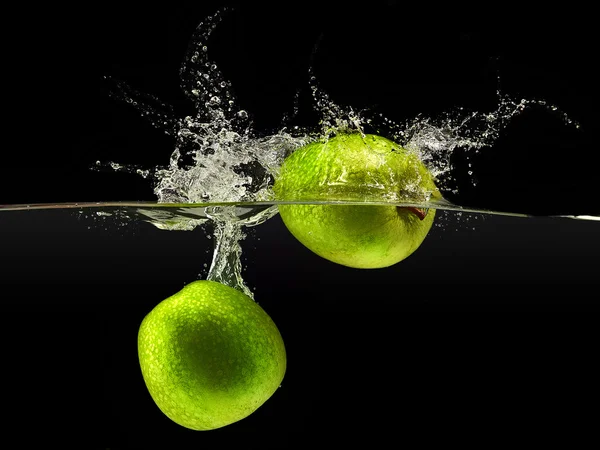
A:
(220, 157)
(435, 139)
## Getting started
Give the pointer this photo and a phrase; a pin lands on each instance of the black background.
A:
(361, 362)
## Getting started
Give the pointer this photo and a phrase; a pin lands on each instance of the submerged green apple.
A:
(210, 356)
(359, 168)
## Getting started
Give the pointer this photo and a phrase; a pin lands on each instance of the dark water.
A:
(486, 256)
(364, 361)
(75, 289)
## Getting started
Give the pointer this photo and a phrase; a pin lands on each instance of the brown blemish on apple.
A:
(419, 212)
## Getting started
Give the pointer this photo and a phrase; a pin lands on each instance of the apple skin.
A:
(357, 168)
(210, 356)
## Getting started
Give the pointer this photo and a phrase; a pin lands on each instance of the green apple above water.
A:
(210, 356)
(359, 168)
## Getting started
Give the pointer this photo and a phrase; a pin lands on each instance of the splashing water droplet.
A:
(219, 157)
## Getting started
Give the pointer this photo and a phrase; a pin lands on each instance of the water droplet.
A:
(216, 144)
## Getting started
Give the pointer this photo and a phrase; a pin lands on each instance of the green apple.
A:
(356, 168)
(210, 356)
